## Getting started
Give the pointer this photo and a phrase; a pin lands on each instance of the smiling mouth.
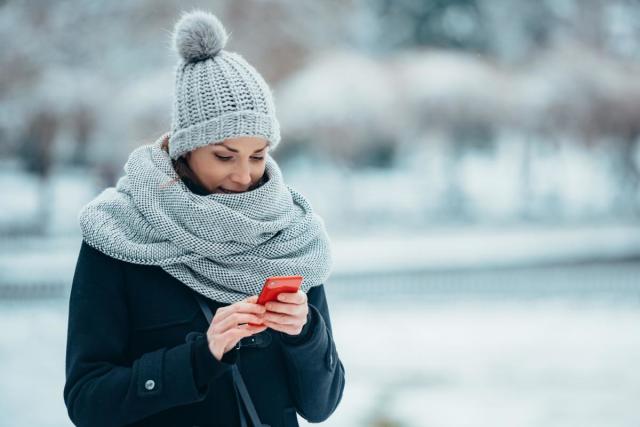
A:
(224, 190)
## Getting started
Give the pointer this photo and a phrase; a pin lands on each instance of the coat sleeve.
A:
(103, 386)
(316, 373)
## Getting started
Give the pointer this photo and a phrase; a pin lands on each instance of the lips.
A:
(224, 190)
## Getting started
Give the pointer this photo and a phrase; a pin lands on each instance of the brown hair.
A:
(180, 165)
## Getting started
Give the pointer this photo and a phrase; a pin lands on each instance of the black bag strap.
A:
(241, 416)
(238, 382)
(246, 398)
(205, 309)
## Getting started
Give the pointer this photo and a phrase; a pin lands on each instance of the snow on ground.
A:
(32, 351)
(415, 362)
(489, 363)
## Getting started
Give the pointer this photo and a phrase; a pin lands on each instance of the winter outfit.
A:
(221, 245)
(137, 353)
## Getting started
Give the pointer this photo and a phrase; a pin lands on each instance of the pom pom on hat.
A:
(218, 94)
(199, 35)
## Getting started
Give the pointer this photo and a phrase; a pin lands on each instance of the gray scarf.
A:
(223, 246)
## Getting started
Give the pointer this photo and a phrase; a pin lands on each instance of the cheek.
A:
(257, 172)
(209, 170)
(215, 173)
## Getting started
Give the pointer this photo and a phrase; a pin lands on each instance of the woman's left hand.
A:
(288, 314)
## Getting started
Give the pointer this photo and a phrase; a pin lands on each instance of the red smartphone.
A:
(276, 285)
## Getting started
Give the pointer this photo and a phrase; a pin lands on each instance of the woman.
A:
(202, 215)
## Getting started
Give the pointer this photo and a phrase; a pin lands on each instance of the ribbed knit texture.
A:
(218, 94)
(221, 245)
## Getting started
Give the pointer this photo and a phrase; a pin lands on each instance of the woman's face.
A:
(231, 166)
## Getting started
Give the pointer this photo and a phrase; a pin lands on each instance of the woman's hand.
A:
(289, 314)
(229, 325)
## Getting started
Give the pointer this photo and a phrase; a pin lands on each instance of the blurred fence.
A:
(601, 280)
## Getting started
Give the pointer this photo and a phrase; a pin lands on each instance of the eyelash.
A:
(226, 159)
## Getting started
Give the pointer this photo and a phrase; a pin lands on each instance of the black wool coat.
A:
(137, 355)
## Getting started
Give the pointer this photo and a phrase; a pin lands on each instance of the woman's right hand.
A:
(230, 325)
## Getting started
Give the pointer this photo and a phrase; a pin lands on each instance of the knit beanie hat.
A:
(218, 94)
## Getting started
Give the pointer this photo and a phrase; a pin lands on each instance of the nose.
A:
(241, 175)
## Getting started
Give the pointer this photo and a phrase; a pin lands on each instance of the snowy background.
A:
(477, 163)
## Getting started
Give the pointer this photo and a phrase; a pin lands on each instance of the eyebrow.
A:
(236, 151)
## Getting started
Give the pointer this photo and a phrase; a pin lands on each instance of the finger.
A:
(238, 319)
(251, 330)
(240, 307)
(235, 319)
(283, 319)
(252, 299)
(285, 308)
(232, 336)
(248, 307)
(293, 297)
(287, 329)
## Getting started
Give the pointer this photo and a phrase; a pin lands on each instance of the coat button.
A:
(150, 384)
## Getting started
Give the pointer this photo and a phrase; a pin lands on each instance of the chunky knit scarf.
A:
(223, 246)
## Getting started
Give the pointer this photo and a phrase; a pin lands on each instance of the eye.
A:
(224, 158)
(257, 158)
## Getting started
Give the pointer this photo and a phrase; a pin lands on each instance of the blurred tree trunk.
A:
(36, 154)
(526, 192)
(83, 126)
(630, 173)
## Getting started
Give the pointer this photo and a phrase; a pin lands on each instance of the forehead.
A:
(246, 143)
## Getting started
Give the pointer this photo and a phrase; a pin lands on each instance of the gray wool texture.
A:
(218, 94)
(223, 246)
